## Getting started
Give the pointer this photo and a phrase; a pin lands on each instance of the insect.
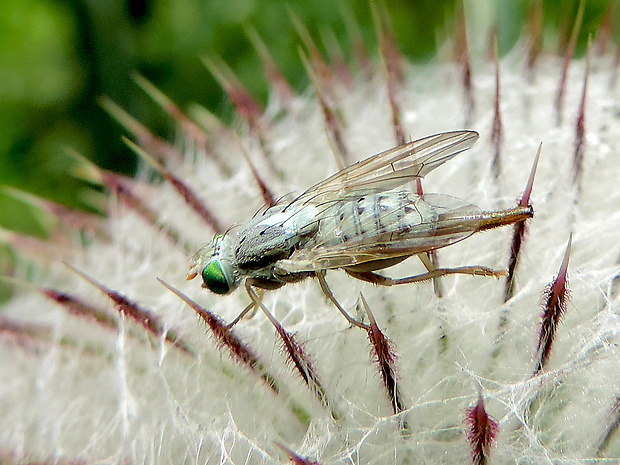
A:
(360, 220)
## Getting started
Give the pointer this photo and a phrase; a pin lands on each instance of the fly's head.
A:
(216, 266)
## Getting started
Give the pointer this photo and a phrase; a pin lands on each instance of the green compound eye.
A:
(214, 279)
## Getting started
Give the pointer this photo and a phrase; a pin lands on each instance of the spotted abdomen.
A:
(374, 218)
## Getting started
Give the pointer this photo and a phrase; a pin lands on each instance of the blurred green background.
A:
(58, 57)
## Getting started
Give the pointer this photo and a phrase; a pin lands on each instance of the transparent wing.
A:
(452, 220)
(390, 169)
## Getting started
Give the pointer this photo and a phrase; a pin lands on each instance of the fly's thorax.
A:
(220, 274)
(273, 236)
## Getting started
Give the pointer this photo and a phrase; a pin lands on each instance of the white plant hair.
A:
(80, 392)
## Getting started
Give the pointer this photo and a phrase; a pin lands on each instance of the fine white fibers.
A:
(90, 394)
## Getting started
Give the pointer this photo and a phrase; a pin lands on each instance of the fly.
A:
(360, 220)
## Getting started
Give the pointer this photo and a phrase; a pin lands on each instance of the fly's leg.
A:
(252, 307)
(257, 301)
(320, 276)
(381, 280)
(429, 260)
(257, 298)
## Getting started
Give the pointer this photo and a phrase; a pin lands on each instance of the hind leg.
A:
(374, 278)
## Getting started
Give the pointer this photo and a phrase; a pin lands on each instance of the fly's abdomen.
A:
(375, 218)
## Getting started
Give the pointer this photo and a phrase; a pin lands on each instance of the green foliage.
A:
(57, 58)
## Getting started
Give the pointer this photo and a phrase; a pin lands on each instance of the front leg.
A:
(320, 276)
(380, 280)
(255, 297)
